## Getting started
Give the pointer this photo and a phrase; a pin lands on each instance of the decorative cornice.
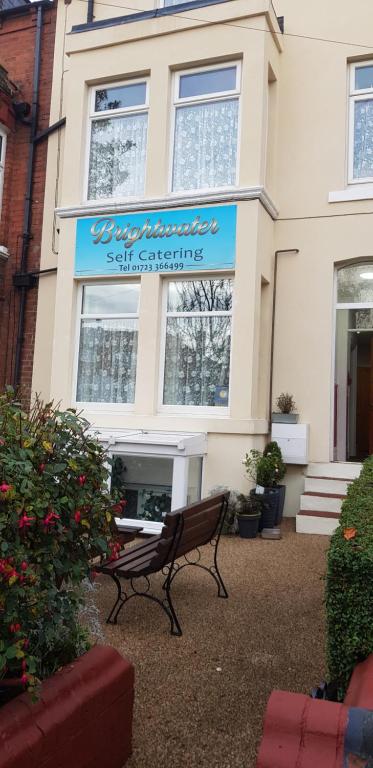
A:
(171, 201)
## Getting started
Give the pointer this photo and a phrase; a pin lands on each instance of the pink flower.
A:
(25, 521)
(81, 479)
(50, 518)
(24, 566)
(24, 679)
(4, 487)
(2, 442)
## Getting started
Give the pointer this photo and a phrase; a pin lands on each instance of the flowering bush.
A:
(55, 517)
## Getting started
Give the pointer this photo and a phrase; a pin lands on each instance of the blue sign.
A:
(164, 241)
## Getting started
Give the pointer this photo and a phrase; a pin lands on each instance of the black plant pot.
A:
(248, 525)
(272, 505)
(282, 491)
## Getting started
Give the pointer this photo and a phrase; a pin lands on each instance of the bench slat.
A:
(129, 554)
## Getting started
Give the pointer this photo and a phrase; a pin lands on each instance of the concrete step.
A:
(314, 522)
(321, 502)
(326, 485)
(339, 470)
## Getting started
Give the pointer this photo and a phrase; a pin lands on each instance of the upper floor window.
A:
(206, 105)
(118, 136)
(2, 161)
(361, 122)
(198, 343)
(108, 343)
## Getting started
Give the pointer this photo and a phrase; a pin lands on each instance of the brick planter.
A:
(82, 720)
(300, 732)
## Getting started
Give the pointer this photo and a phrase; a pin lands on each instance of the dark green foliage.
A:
(55, 517)
(267, 468)
(349, 585)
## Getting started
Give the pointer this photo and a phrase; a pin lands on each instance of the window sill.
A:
(217, 412)
(354, 192)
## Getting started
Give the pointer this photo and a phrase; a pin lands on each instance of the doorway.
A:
(353, 416)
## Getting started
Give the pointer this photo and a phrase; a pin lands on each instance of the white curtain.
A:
(117, 157)
(363, 139)
(205, 148)
(197, 360)
(107, 361)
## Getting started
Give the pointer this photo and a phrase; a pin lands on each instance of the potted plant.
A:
(55, 518)
(267, 469)
(286, 410)
(248, 515)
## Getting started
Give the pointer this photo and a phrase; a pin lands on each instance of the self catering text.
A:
(145, 256)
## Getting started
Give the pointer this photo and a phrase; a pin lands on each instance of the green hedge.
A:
(349, 584)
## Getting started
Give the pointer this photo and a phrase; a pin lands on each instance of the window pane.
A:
(205, 148)
(107, 361)
(117, 157)
(122, 96)
(363, 78)
(121, 298)
(214, 81)
(197, 361)
(145, 483)
(200, 296)
(361, 319)
(194, 479)
(355, 284)
(363, 139)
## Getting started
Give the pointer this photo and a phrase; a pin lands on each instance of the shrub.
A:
(349, 584)
(285, 403)
(55, 516)
(267, 468)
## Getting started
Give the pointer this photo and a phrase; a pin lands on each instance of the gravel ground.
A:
(200, 698)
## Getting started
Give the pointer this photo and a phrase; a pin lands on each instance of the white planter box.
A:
(293, 440)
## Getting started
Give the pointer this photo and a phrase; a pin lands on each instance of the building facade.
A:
(26, 63)
(210, 202)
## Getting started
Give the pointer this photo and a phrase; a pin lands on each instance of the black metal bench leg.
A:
(113, 615)
(175, 626)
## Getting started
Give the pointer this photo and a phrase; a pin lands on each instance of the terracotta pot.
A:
(83, 718)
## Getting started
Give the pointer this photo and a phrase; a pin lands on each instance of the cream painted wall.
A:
(293, 143)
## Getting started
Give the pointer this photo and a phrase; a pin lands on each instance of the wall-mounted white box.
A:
(293, 440)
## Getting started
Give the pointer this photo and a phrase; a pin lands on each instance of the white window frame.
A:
(218, 411)
(205, 98)
(3, 136)
(354, 96)
(93, 115)
(91, 405)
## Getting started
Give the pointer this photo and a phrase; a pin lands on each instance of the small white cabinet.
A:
(293, 440)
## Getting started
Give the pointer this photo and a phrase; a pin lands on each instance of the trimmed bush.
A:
(349, 585)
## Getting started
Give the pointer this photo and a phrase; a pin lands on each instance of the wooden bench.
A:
(184, 531)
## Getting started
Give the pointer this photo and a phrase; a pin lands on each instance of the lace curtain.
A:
(363, 139)
(205, 148)
(117, 157)
(197, 360)
(107, 361)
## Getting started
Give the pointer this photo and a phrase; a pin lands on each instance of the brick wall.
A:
(17, 45)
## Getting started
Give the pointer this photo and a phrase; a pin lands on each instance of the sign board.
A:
(162, 241)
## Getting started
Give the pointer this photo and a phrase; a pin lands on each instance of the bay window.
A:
(198, 343)
(361, 122)
(118, 138)
(107, 352)
(206, 106)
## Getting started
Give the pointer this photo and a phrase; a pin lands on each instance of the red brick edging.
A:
(300, 732)
(82, 720)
